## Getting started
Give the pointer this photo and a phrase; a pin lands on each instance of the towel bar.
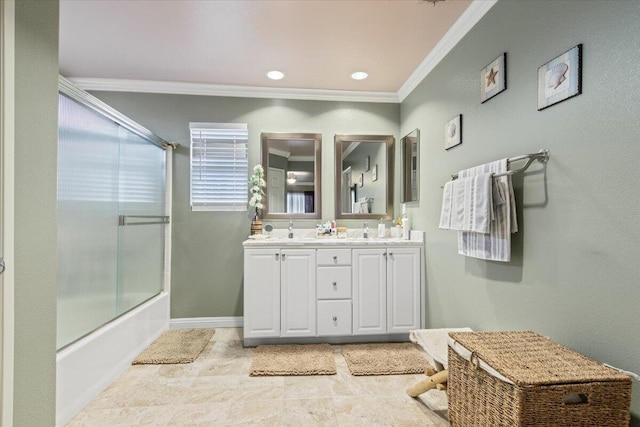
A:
(542, 156)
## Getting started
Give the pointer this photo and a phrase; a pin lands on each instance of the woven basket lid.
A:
(527, 358)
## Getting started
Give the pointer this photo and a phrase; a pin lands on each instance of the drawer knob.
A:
(335, 319)
(335, 258)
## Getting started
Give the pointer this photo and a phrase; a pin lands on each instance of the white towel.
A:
(495, 246)
(434, 343)
(466, 204)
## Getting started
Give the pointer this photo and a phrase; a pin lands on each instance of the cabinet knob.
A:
(335, 319)
(283, 256)
(277, 257)
(335, 258)
(335, 284)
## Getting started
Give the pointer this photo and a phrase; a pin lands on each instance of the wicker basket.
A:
(552, 385)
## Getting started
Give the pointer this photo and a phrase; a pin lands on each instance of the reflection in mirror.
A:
(410, 167)
(292, 164)
(364, 176)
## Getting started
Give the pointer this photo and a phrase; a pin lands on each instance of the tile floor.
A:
(216, 390)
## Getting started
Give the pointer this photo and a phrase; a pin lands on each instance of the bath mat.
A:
(384, 359)
(293, 359)
(175, 346)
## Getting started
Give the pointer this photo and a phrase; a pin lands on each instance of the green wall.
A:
(36, 135)
(575, 275)
(207, 257)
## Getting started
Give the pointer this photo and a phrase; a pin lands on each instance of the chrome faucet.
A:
(365, 230)
(291, 229)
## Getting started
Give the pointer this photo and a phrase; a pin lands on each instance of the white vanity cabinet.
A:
(262, 293)
(298, 292)
(386, 286)
(279, 292)
(334, 291)
(301, 292)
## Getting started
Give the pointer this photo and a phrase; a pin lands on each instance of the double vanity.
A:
(326, 289)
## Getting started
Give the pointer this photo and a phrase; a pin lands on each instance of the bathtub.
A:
(89, 365)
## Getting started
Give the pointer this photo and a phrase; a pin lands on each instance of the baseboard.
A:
(207, 322)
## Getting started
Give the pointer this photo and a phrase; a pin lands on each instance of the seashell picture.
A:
(453, 132)
(560, 78)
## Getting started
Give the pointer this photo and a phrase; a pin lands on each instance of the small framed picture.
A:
(453, 132)
(361, 180)
(374, 173)
(493, 78)
(367, 163)
(560, 78)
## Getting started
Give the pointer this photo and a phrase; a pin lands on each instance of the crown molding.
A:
(476, 10)
(181, 88)
(470, 17)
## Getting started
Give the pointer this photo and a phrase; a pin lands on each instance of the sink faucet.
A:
(291, 229)
(365, 230)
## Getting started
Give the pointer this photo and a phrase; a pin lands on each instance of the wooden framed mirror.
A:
(410, 167)
(364, 176)
(292, 168)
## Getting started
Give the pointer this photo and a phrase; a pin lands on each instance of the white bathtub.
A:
(91, 364)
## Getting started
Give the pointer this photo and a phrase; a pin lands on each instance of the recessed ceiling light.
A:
(275, 75)
(359, 75)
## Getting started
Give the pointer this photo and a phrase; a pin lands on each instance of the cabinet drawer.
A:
(334, 257)
(334, 317)
(334, 282)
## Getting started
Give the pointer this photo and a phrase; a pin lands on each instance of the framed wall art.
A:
(560, 78)
(361, 180)
(493, 78)
(367, 163)
(453, 132)
(374, 173)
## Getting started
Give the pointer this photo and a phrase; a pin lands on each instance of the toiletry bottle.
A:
(365, 230)
(381, 229)
(406, 225)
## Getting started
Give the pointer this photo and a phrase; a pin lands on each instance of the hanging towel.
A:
(495, 246)
(466, 204)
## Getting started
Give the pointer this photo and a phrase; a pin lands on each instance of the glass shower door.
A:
(107, 176)
(88, 169)
(142, 222)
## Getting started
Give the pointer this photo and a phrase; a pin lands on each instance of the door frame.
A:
(7, 145)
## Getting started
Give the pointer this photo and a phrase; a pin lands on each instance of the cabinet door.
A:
(369, 291)
(298, 292)
(403, 289)
(261, 293)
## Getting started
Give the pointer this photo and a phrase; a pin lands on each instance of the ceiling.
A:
(316, 43)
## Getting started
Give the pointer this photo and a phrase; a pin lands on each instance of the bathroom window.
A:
(219, 166)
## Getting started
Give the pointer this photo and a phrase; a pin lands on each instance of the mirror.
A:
(410, 156)
(292, 164)
(364, 176)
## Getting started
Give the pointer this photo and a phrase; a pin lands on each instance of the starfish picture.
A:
(491, 78)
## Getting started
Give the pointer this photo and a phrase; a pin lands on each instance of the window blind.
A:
(219, 166)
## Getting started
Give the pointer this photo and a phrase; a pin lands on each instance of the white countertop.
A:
(307, 238)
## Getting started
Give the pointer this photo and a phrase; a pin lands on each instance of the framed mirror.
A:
(410, 167)
(364, 176)
(292, 165)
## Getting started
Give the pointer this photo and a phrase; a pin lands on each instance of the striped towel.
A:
(466, 204)
(495, 246)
